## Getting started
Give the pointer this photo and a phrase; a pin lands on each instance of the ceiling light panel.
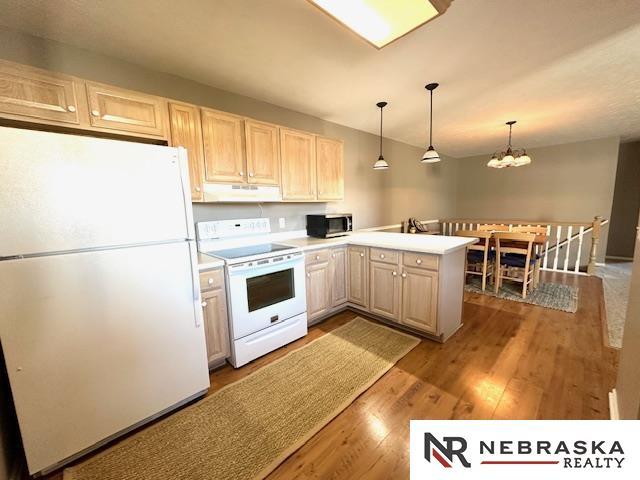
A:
(380, 22)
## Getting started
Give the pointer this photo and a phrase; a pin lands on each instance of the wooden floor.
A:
(509, 361)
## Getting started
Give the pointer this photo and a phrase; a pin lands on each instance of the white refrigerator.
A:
(100, 318)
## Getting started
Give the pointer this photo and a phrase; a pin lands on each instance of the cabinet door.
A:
(223, 147)
(385, 286)
(420, 299)
(186, 131)
(298, 161)
(330, 168)
(126, 111)
(37, 94)
(358, 276)
(318, 290)
(216, 327)
(263, 153)
(338, 276)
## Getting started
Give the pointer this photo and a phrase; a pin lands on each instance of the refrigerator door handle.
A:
(195, 282)
(183, 163)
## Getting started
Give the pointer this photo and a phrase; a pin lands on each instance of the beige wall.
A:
(626, 202)
(414, 189)
(571, 182)
(628, 385)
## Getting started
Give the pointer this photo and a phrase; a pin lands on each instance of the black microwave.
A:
(329, 225)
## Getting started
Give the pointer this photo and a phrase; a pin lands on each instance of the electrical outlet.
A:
(281, 222)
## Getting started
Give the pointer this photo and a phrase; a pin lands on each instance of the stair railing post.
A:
(595, 240)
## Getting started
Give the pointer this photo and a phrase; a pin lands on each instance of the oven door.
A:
(265, 295)
(337, 225)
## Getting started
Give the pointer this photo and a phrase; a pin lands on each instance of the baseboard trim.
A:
(614, 413)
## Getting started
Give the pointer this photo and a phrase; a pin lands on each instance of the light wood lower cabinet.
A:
(420, 299)
(186, 131)
(318, 290)
(126, 111)
(39, 95)
(358, 275)
(338, 265)
(215, 317)
(385, 297)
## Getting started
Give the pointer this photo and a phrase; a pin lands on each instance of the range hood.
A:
(218, 192)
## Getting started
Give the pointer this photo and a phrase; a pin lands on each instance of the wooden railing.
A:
(565, 249)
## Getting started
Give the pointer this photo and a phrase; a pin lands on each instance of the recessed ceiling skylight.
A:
(380, 22)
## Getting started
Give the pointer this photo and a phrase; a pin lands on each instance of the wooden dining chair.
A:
(515, 259)
(479, 255)
(494, 227)
(538, 248)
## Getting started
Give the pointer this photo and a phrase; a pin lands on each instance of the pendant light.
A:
(509, 157)
(381, 164)
(430, 155)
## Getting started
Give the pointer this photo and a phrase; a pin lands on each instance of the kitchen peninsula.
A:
(414, 282)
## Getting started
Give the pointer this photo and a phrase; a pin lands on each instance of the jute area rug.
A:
(246, 429)
(548, 295)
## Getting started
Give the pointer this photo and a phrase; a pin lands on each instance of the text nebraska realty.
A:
(579, 454)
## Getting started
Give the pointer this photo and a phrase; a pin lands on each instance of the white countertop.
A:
(207, 262)
(434, 244)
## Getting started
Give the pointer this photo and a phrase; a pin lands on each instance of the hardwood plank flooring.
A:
(509, 361)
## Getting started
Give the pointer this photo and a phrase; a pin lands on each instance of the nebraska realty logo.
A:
(473, 449)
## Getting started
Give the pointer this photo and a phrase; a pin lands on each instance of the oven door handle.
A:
(272, 267)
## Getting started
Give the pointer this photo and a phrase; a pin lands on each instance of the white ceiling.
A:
(566, 70)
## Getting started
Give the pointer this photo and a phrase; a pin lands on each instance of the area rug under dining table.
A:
(246, 429)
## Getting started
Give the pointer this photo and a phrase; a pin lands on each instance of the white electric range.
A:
(265, 281)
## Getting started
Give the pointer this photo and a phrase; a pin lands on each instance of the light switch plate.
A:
(281, 222)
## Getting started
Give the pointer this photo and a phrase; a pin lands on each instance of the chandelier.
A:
(509, 157)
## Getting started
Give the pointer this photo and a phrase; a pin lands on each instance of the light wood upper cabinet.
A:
(126, 111)
(330, 168)
(39, 95)
(318, 290)
(186, 131)
(358, 275)
(223, 136)
(263, 153)
(298, 157)
(385, 288)
(338, 264)
(419, 299)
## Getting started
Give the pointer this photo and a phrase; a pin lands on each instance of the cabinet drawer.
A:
(385, 256)
(211, 279)
(317, 256)
(420, 260)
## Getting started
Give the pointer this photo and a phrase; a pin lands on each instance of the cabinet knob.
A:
(210, 281)
(95, 113)
(251, 174)
(404, 275)
(394, 273)
(204, 304)
(419, 262)
(382, 255)
(198, 189)
(333, 255)
(317, 257)
(362, 254)
(308, 275)
(71, 108)
(241, 173)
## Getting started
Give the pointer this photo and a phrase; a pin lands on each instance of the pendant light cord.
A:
(381, 130)
(431, 118)
(510, 127)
